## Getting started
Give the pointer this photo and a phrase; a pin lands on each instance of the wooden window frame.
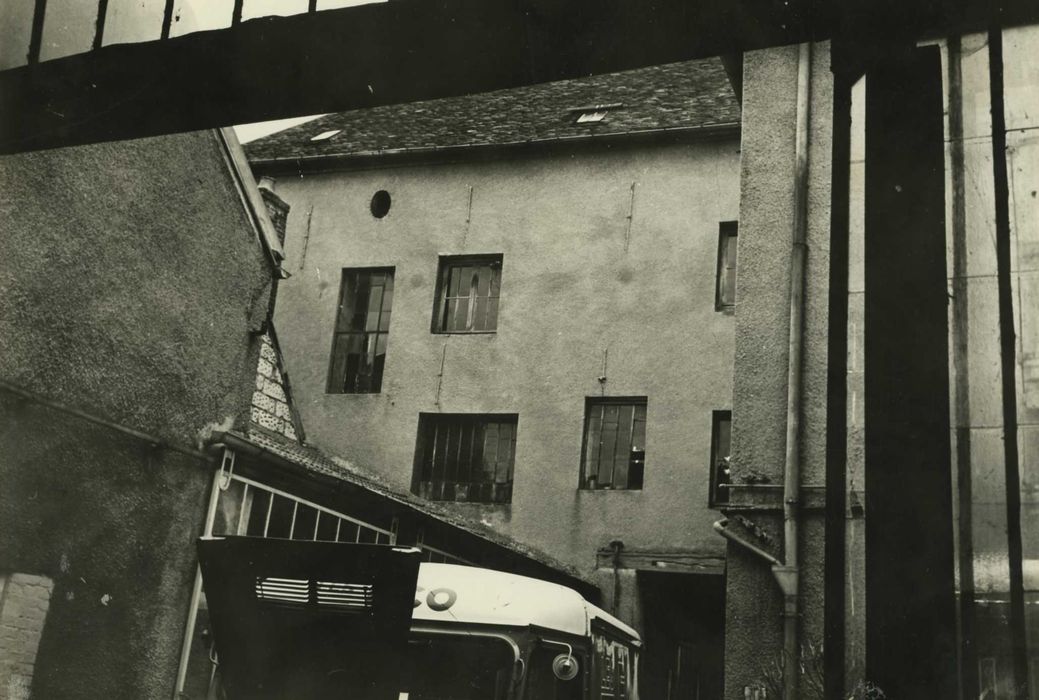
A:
(446, 264)
(726, 230)
(718, 496)
(339, 332)
(590, 482)
(453, 429)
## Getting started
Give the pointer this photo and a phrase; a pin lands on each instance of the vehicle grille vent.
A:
(346, 597)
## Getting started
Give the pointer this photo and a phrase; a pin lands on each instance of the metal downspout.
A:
(721, 527)
(787, 575)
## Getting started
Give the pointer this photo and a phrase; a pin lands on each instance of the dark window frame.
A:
(727, 230)
(451, 429)
(339, 332)
(717, 495)
(445, 265)
(637, 475)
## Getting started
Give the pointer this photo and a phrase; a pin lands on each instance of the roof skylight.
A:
(325, 135)
(592, 114)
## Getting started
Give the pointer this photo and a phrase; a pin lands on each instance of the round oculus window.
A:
(380, 204)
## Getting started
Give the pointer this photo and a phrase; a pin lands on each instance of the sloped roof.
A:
(686, 95)
(314, 460)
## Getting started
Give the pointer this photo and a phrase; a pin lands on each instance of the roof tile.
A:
(677, 95)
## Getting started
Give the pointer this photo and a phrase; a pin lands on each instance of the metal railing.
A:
(306, 520)
(239, 505)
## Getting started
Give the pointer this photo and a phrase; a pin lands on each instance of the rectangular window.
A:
(614, 452)
(465, 457)
(362, 331)
(467, 294)
(725, 291)
(721, 441)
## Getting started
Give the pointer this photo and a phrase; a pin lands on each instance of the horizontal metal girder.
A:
(407, 50)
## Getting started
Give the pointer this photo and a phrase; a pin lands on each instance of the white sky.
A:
(69, 25)
(251, 132)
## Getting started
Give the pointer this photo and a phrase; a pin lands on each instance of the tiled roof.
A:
(691, 94)
(314, 460)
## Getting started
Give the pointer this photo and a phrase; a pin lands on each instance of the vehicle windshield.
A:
(449, 667)
(542, 683)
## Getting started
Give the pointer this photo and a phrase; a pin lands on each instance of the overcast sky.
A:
(251, 132)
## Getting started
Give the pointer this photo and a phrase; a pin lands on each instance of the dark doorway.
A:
(684, 633)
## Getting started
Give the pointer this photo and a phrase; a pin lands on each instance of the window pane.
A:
(721, 432)
(726, 282)
(467, 288)
(622, 451)
(461, 314)
(608, 444)
(359, 349)
(453, 275)
(479, 437)
(506, 443)
(453, 432)
(439, 453)
(614, 444)
(592, 441)
(492, 315)
(490, 451)
(480, 314)
(374, 307)
(483, 281)
(358, 303)
(638, 438)
(472, 457)
(465, 453)
(387, 306)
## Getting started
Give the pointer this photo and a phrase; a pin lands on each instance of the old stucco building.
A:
(914, 427)
(588, 346)
(144, 404)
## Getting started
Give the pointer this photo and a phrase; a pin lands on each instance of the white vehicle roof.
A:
(466, 594)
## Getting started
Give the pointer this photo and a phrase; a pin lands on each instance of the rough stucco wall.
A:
(129, 282)
(92, 510)
(753, 624)
(569, 291)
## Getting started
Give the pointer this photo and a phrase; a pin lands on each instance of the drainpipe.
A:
(787, 575)
(721, 527)
(616, 546)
